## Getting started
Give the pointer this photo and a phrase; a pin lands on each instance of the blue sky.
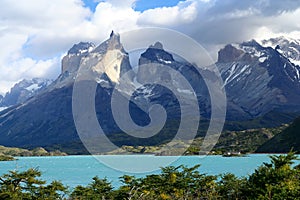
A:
(140, 5)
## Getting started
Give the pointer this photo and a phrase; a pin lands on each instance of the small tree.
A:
(277, 180)
(231, 187)
(26, 185)
(98, 189)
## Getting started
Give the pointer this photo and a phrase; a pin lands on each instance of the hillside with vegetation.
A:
(7, 153)
(246, 141)
(288, 139)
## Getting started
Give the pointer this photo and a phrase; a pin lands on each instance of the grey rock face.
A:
(154, 55)
(257, 79)
(290, 48)
(23, 91)
(47, 118)
(154, 58)
(81, 48)
(71, 62)
(260, 80)
(229, 54)
(98, 60)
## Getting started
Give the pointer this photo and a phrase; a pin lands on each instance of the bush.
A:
(26, 185)
(279, 179)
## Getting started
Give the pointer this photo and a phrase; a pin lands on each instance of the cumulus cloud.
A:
(184, 12)
(265, 7)
(109, 17)
(27, 68)
(35, 34)
(220, 22)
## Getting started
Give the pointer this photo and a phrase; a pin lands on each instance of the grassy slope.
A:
(246, 141)
(12, 151)
(285, 141)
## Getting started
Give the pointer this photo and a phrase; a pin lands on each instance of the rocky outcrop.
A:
(71, 62)
(263, 81)
(288, 47)
(229, 54)
(109, 59)
(24, 90)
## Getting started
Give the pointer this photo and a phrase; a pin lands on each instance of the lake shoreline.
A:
(75, 170)
(219, 155)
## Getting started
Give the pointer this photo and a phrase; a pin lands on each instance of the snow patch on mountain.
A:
(33, 87)
(296, 62)
(2, 108)
(288, 47)
(262, 59)
(185, 91)
(165, 61)
(24, 90)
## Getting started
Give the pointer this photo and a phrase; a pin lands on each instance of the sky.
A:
(36, 34)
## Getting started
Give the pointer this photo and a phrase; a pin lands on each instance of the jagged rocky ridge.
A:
(259, 82)
(24, 90)
(288, 47)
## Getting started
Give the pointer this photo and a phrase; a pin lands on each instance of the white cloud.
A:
(286, 22)
(221, 22)
(123, 3)
(108, 17)
(35, 33)
(235, 14)
(184, 12)
(26, 68)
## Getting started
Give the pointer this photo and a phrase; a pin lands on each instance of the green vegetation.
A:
(27, 185)
(247, 141)
(277, 180)
(247, 137)
(270, 140)
(6, 158)
(12, 151)
(286, 140)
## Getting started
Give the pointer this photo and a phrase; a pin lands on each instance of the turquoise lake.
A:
(79, 170)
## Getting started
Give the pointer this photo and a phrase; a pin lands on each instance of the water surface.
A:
(79, 170)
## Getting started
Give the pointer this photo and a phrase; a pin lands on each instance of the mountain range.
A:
(261, 80)
(24, 90)
(268, 79)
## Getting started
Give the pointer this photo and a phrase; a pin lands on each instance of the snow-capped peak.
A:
(81, 48)
(24, 90)
(246, 51)
(288, 47)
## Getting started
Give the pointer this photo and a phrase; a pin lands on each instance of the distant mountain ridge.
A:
(46, 119)
(288, 47)
(259, 81)
(24, 90)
